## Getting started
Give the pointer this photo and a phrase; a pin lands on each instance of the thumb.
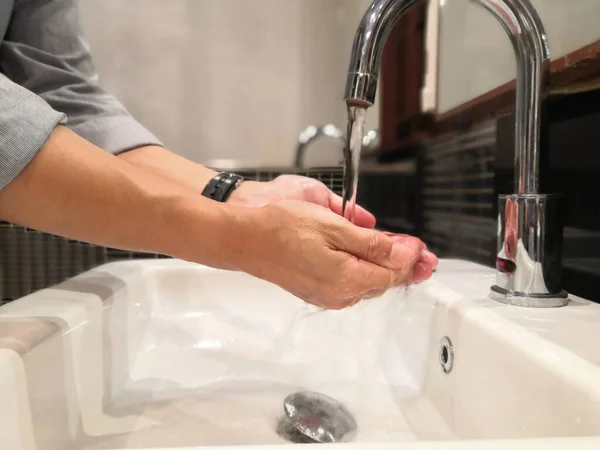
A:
(400, 253)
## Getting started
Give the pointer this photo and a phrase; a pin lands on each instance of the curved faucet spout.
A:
(528, 264)
(369, 41)
(524, 27)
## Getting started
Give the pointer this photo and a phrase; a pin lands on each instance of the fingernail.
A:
(405, 252)
(431, 258)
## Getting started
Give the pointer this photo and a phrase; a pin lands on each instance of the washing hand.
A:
(317, 263)
(322, 258)
(293, 187)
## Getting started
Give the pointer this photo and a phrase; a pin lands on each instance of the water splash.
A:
(354, 140)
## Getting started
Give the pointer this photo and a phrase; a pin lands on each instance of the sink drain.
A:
(446, 354)
(315, 418)
(287, 430)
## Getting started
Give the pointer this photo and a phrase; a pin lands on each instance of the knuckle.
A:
(376, 247)
(337, 237)
(373, 246)
(282, 178)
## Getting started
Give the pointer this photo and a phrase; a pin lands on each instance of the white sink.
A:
(170, 355)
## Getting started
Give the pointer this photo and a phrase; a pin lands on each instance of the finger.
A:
(421, 272)
(401, 237)
(392, 235)
(362, 217)
(426, 257)
(399, 253)
(429, 258)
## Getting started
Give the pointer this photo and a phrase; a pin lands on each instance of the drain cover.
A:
(287, 430)
(313, 417)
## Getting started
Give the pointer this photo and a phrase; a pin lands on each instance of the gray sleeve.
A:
(45, 52)
(26, 122)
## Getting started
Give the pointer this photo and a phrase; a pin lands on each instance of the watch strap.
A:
(220, 187)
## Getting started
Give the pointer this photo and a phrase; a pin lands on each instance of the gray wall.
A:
(476, 55)
(227, 78)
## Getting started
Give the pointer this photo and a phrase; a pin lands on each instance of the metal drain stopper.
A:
(313, 417)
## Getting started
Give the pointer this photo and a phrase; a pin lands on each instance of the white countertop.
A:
(583, 443)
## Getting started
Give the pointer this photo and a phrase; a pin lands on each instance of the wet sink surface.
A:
(165, 354)
(216, 355)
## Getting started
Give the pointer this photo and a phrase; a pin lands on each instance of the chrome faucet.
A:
(313, 133)
(530, 233)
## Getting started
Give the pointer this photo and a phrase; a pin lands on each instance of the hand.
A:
(180, 171)
(293, 187)
(251, 193)
(324, 259)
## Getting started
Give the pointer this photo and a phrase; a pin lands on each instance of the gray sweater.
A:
(47, 78)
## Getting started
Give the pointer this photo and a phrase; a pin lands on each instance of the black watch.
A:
(221, 186)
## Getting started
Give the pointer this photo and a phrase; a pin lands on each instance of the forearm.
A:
(76, 190)
(170, 166)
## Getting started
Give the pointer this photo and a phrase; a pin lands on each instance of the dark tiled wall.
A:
(466, 171)
(31, 260)
(459, 200)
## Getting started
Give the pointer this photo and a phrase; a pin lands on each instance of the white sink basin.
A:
(166, 354)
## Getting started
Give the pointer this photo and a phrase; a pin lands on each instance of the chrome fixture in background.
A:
(313, 133)
(529, 224)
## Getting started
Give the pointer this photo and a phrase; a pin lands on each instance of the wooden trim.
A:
(390, 101)
(569, 73)
(402, 77)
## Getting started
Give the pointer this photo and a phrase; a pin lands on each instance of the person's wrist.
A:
(244, 193)
(241, 234)
(205, 232)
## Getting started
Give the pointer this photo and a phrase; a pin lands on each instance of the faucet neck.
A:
(526, 32)
(369, 41)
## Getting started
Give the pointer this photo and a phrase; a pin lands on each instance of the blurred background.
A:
(233, 83)
(228, 79)
(239, 79)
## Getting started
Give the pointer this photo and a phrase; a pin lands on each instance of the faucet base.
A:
(529, 258)
(529, 300)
